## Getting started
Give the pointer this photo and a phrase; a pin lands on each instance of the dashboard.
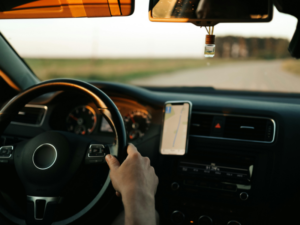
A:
(80, 116)
(244, 174)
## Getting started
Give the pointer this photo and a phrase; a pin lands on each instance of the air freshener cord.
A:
(210, 30)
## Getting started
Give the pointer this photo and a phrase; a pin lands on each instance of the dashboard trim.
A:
(34, 125)
(236, 139)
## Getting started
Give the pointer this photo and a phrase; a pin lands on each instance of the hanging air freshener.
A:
(209, 43)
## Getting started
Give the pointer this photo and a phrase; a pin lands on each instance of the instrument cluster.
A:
(84, 119)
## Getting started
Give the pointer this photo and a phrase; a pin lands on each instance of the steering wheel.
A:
(46, 163)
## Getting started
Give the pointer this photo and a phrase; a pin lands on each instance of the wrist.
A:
(138, 197)
(139, 208)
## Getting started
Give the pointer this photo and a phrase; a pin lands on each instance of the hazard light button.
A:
(217, 128)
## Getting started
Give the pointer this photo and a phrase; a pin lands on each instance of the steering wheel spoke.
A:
(41, 210)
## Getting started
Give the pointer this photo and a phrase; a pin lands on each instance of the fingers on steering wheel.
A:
(131, 149)
(112, 162)
(147, 161)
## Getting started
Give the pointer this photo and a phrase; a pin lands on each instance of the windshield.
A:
(136, 51)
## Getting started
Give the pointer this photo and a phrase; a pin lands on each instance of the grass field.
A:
(121, 70)
(292, 65)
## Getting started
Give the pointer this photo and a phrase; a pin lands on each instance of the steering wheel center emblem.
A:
(44, 156)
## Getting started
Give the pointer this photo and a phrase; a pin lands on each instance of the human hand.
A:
(135, 176)
(135, 180)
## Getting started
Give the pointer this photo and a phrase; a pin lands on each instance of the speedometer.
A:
(137, 123)
(82, 120)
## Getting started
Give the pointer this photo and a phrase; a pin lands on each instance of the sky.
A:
(133, 36)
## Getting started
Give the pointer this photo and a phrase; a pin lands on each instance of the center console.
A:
(224, 178)
(213, 186)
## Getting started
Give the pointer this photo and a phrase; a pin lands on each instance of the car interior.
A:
(239, 165)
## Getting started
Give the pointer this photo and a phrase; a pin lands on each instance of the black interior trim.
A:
(15, 67)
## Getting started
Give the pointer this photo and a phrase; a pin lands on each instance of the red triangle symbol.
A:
(218, 126)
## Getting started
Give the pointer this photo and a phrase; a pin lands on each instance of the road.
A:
(253, 76)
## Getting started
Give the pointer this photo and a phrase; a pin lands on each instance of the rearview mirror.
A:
(210, 12)
(25, 9)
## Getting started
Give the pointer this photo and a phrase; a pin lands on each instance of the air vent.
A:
(201, 124)
(31, 115)
(245, 128)
(232, 127)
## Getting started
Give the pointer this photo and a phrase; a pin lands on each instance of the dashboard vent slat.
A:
(30, 115)
(233, 128)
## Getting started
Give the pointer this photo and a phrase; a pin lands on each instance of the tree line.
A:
(241, 47)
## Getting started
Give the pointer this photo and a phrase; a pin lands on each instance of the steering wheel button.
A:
(3, 151)
(96, 154)
(96, 150)
(6, 151)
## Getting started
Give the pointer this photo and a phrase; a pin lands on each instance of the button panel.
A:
(6, 152)
(96, 154)
(96, 150)
(206, 212)
(229, 187)
(210, 185)
(213, 170)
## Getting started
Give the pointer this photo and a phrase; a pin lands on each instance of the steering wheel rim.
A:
(103, 103)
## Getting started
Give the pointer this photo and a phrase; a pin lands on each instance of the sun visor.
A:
(24, 9)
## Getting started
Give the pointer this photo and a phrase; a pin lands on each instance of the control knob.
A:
(233, 222)
(244, 196)
(175, 186)
(205, 220)
(177, 217)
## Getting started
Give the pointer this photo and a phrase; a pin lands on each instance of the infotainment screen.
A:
(175, 128)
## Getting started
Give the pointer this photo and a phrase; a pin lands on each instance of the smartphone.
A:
(176, 125)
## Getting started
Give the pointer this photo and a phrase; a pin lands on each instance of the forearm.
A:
(139, 210)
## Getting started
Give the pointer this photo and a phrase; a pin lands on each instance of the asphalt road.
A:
(253, 76)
